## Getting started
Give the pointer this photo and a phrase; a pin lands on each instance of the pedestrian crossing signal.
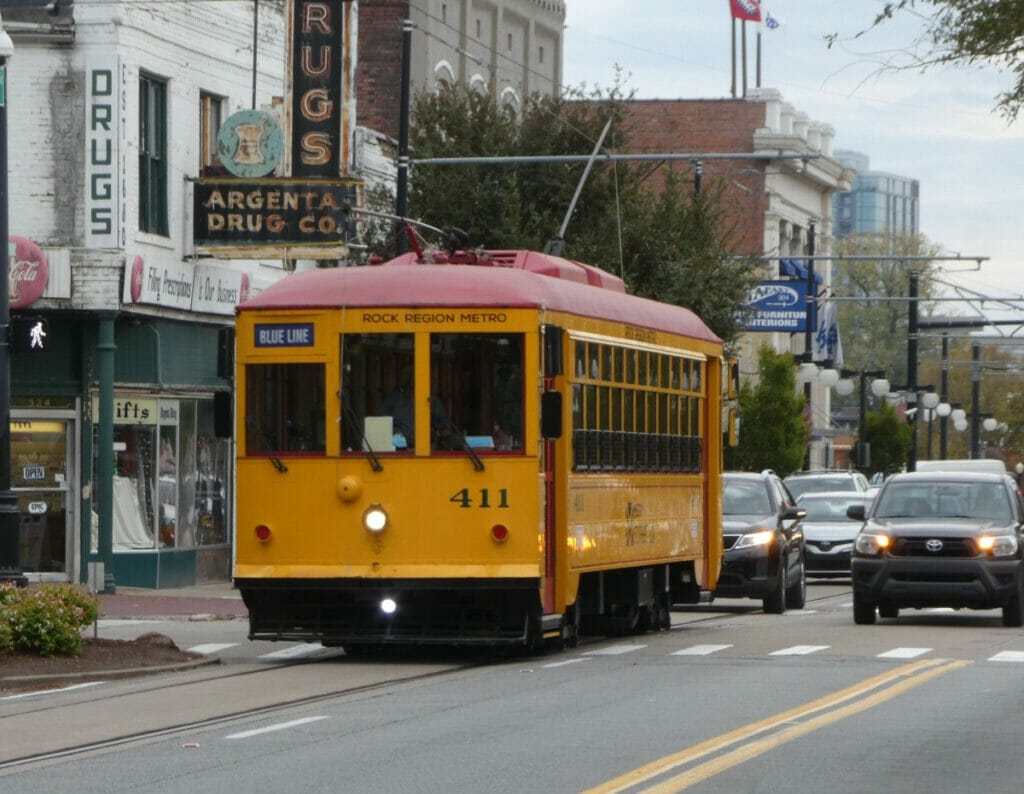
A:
(29, 334)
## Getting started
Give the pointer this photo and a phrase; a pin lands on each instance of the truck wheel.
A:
(1013, 613)
(888, 611)
(863, 611)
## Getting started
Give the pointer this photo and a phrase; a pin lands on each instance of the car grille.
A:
(918, 547)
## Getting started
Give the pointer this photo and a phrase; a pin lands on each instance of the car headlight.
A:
(872, 544)
(998, 545)
(754, 539)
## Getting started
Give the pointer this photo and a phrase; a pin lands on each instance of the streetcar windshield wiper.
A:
(355, 425)
(477, 463)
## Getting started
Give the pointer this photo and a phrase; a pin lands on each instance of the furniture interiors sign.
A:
(776, 306)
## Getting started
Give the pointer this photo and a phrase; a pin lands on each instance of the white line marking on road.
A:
(211, 647)
(796, 613)
(614, 650)
(799, 650)
(279, 727)
(563, 664)
(1008, 656)
(114, 622)
(51, 691)
(700, 650)
(294, 651)
(904, 653)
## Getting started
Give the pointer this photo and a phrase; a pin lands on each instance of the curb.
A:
(130, 672)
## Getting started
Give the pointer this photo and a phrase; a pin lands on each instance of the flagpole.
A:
(758, 84)
(743, 34)
(733, 57)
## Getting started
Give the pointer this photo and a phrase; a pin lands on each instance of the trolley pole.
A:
(402, 190)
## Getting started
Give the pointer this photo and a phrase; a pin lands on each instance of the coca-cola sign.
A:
(27, 272)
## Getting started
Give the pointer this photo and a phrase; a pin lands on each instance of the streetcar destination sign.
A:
(284, 335)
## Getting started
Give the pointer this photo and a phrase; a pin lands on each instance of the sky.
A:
(940, 127)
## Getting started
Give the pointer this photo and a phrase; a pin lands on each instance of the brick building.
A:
(113, 112)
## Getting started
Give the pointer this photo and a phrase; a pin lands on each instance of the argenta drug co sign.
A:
(277, 212)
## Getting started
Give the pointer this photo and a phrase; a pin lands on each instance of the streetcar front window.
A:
(476, 391)
(284, 409)
(378, 392)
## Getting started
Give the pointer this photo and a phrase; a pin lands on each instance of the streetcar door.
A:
(551, 430)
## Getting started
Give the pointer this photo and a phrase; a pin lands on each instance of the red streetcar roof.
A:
(526, 281)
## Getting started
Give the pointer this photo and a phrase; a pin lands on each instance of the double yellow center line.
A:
(809, 717)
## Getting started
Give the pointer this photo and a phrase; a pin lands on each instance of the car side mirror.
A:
(856, 512)
(794, 513)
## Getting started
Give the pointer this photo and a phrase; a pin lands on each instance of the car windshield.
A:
(828, 509)
(745, 498)
(980, 500)
(801, 485)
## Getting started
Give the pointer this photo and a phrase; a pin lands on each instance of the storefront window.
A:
(169, 475)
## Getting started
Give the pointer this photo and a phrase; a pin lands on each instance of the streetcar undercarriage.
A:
(354, 612)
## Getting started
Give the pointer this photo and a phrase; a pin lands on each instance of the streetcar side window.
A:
(638, 410)
(476, 391)
(284, 409)
(378, 392)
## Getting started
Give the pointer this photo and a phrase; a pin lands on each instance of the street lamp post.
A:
(879, 387)
(10, 525)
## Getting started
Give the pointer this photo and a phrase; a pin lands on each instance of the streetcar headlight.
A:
(998, 545)
(754, 539)
(375, 519)
(872, 544)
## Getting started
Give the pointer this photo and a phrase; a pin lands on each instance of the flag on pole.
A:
(827, 344)
(747, 10)
(771, 22)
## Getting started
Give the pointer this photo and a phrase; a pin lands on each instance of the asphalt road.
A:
(730, 700)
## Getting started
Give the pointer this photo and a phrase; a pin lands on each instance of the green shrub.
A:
(46, 620)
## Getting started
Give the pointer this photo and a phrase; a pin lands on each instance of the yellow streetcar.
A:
(486, 447)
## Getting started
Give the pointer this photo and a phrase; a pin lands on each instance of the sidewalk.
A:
(217, 601)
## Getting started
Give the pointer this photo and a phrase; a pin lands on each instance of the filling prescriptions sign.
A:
(284, 335)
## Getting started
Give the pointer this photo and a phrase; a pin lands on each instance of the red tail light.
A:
(499, 532)
(262, 533)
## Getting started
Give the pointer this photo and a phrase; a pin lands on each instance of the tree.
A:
(874, 324)
(968, 32)
(890, 440)
(668, 246)
(524, 205)
(773, 428)
(682, 257)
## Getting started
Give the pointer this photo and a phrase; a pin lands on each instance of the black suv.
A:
(947, 539)
(763, 542)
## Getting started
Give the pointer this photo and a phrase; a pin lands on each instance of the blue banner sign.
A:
(776, 306)
(284, 335)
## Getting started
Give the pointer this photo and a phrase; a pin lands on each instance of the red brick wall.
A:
(379, 66)
(708, 126)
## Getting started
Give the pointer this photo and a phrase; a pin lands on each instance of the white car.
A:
(828, 532)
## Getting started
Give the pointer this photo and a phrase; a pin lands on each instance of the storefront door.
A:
(42, 478)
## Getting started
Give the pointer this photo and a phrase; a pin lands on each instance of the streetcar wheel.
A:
(571, 627)
(863, 611)
(775, 601)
